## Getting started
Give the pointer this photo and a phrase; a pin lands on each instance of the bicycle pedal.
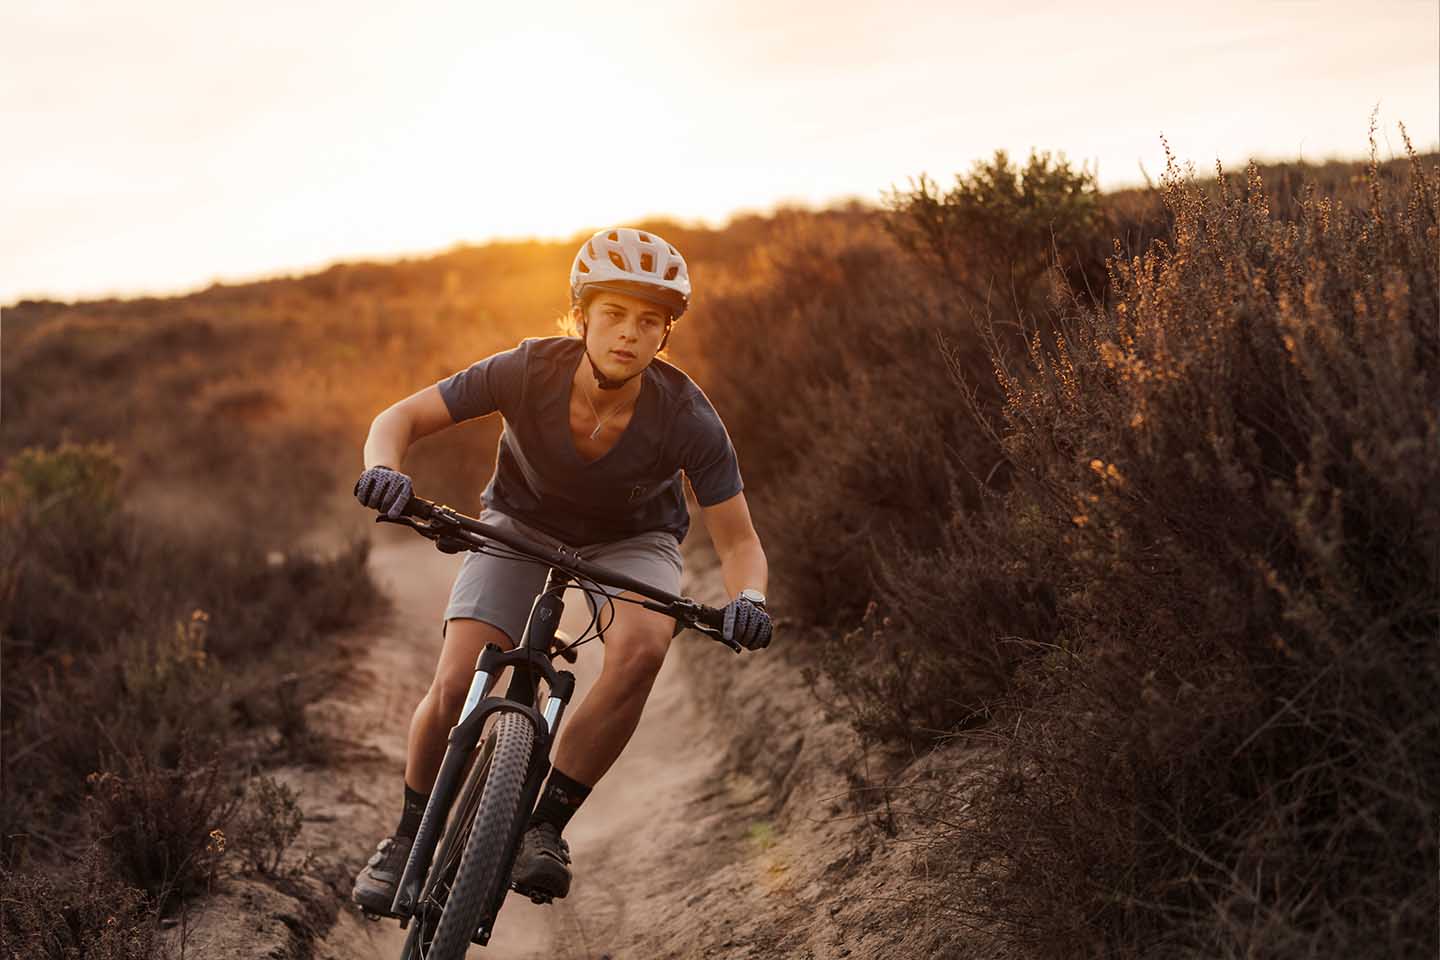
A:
(535, 896)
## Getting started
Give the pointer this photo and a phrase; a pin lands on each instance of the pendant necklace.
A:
(596, 414)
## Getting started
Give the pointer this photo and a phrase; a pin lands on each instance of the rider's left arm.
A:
(742, 560)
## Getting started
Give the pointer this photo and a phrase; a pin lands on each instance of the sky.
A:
(156, 147)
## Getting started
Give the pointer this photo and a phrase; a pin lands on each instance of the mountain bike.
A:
(458, 873)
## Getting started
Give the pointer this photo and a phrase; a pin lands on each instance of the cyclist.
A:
(597, 432)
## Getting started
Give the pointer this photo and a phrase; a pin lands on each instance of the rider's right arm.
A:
(401, 424)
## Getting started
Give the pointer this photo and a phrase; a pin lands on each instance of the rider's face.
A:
(624, 333)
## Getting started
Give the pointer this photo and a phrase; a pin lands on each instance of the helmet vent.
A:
(613, 235)
(647, 262)
(644, 238)
(591, 247)
(672, 249)
(674, 269)
(615, 259)
(580, 264)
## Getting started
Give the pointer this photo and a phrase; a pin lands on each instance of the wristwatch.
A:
(754, 596)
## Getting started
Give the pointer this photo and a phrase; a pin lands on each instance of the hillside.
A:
(1106, 573)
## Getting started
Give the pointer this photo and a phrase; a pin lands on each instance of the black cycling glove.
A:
(747, 624)
(383, 489)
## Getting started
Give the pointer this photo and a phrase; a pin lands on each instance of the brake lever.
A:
(444, 542)
(406, 521)
(717, 634)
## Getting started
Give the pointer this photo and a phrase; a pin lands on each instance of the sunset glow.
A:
(159, 149)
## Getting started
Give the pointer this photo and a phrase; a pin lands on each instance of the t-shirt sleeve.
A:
(495, 383)
(708, 456)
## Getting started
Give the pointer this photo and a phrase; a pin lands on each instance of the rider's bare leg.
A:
(597, 730)
(441, 705)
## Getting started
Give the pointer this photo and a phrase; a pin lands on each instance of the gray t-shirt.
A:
(541, 479)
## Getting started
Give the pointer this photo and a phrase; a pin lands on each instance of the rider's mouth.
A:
(625, 355)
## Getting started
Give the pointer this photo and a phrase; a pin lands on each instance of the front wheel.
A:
(484, 869)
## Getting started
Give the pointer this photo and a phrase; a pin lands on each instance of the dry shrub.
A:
(153, 637)
(80, 913)
(824, 356)
(132, 656)
(162, 828)
(1228, 745)
(268, 822)
(852, 453)
(995, 233)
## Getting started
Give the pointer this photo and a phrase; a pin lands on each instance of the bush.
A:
(83, 913)
(162, 828)
(61, 535)
(269, 821)
(1228, 743)
(1000, 229)
(173, 650)
(858, 456)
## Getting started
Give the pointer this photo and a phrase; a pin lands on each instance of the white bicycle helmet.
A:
(634, 262)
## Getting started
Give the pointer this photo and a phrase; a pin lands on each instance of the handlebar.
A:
(452, 531)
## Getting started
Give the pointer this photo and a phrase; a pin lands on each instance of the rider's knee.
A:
(638, 657)
(464, 640)
(447, 694)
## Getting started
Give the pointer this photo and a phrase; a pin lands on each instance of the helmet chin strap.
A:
(602, 381)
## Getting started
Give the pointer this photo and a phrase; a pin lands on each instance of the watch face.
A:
(754, 596)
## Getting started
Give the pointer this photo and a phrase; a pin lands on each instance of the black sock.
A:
(558, 803)
(414, 810)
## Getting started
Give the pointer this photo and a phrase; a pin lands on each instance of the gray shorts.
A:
(500, 591)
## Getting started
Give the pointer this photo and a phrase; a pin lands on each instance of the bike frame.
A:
(530, 663)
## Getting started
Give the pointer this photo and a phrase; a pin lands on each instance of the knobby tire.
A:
(483, 869)
(447, 853)
(457, 828)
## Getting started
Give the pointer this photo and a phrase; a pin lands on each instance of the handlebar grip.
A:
(712, 617)
(418, 507)
(714, 620)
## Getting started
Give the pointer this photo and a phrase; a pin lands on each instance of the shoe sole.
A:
(544, 886)
(535, 894)
(371, 904)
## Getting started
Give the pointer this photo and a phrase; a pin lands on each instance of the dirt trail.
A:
(666, 764)
(727, 829)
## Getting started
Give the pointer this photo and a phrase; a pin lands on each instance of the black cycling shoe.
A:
(375, 885)
(542, 867)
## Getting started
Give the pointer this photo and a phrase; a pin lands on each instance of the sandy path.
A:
(616, 837)
(728, 829)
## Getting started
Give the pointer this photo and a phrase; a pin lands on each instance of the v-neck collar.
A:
(624, 434)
